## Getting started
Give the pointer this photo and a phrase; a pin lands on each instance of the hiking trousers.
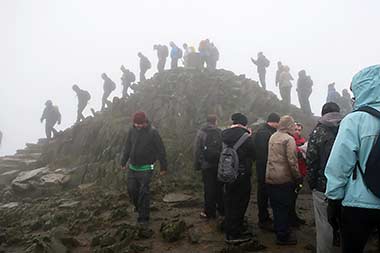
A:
(161, 64)
(357, 225)
(174, 63)
(142, 74)
(49, 129)
(213, 192)
(236, 199)
(285, 94)
(262, 79)
(323, 229)
(262, 195)
(303, 98)
(105, 100)
(138, 185)
(81, 107)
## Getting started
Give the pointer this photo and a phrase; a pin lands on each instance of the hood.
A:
(286, 124)
(331, 119)
(366, 87)
(231, 135)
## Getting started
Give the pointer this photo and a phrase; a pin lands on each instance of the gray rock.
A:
(176, 197)
(7, 177)
(27, 175)
(10, 205)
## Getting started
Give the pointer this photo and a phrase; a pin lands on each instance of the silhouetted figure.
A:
(345, 102)
(51, 115)
(162, 54)
(204, 52)
(83, 98)
(286, 85)
(332, 94)
(213, 57)
(144, 66)
(1, 137)
(262, 63)
(108, 87)
(188, 52)
(175, 54)
(280, 68)
(126, 79)
(304, 89)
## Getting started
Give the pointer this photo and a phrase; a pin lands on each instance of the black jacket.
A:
(199, 160)
(144, 146)
(261, 140)
(246, 152)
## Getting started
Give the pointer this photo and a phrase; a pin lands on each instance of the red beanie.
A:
(139, 118)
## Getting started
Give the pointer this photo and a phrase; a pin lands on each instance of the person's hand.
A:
(334, 207)
(163, 172)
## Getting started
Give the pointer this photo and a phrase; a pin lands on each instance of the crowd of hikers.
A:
(339, 160)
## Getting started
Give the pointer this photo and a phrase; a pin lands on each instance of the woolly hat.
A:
(273, 117)
(139, 118)
(238, 118)
(286, 123)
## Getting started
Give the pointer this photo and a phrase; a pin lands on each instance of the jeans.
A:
(213, 192)
(138, 183)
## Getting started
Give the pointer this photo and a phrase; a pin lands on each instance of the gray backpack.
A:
(228, 168)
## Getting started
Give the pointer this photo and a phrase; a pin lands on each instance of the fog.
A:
(48, 45)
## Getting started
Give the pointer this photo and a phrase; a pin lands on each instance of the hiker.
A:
(332, 94)
(262, 63)
(345, 102)
(295, 220)
(144, 66)
(280, 68)
(208, 145)
(213, 57)
(162, 54)
(51, 115)
(283, 178)
(237, 193)
(175, 54)
(352, 170)
(285, 85)
(304, 89)
(203, 49)
(108, 87)
(142, 149)
(261, 139)
(318, 151)
(83, 98)
(187, 51)
(127, 79)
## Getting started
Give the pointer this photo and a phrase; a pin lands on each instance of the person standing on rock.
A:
(318, 151)
(126, 80)
(261, 140)
(280, 68)
(175, 54)
(304, 89)
(162, 54)
(144, 66)
(237, 193)
(207, 148)
(83, 98)
(108, 87)
(283, 178)
(332, 94)
(51, 115)
(262, 63)
(285, 85)
(142, 149)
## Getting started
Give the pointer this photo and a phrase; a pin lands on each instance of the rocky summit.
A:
(69, 194)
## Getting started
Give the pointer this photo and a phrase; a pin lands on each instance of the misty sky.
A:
(48, 45)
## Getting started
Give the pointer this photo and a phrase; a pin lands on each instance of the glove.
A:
(334, 207)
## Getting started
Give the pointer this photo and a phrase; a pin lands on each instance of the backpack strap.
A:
(241, 140)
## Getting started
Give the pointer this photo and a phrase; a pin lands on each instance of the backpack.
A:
(228, 168)
(131, 77)
(112, 85)
(212, 145)
(372, 169)
(86, 95)
(266, 62)
(327, 142)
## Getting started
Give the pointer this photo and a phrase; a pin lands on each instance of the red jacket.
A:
(301, 161)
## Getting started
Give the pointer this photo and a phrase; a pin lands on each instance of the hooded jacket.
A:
(282, 165)
(318, 150)
(356, 136)
(246, 151)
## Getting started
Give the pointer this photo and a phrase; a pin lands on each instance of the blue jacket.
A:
(357, 133)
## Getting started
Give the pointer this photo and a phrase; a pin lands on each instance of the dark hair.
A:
(273, 117)
(330, 107)
(211, 118)
(299, 124)
(238, 118)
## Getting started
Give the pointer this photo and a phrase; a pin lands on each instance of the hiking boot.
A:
(291, 239)
(266, 225)
(237, 239)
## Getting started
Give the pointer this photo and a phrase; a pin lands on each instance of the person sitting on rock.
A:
(127, 78)
(144, 66)
(51, 115)
(108, 87)
(143, 147)
(83, 98)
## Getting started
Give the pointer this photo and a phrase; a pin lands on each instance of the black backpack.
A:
(371, 175)
(212, 145)
(327, 143)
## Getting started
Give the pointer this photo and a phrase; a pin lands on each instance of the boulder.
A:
(27, 175)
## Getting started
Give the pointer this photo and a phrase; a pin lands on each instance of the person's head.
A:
(75, 87)
(122, 68)
(279, 64)
(287, 124)
(331, 86)
(211, 119)
(139, 54)
(286, 68)
(155, 47)
(239, 118)
(140, 120)
(273, 120)
(298, 129)
(330, 107)
(172, 44)
(185, 46)
(345, 93)
(48, 103)
(259, 54)
(302, 73)
(104, 76)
